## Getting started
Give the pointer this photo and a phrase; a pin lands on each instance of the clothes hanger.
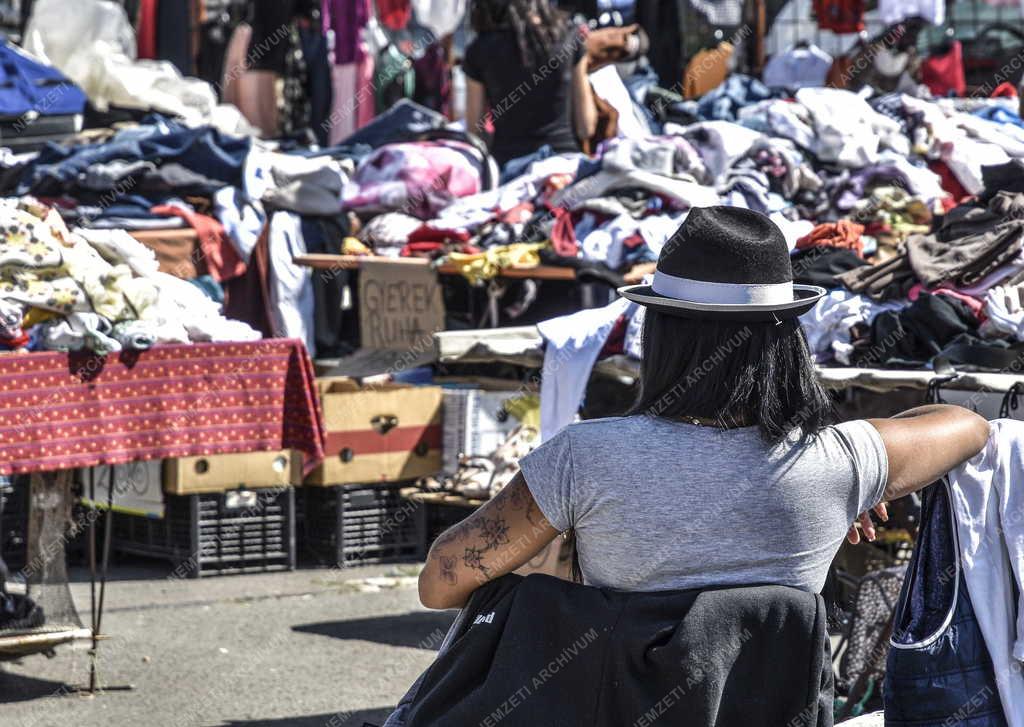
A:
(945, 45)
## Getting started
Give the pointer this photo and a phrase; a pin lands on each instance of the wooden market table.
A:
(354, 262)
(533, 272)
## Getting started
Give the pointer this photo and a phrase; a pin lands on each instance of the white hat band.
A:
(702, 291)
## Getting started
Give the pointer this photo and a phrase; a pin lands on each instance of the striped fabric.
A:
(60, 410)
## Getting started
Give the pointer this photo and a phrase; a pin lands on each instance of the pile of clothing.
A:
(96, 290)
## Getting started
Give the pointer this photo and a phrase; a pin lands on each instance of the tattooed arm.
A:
(499, 537)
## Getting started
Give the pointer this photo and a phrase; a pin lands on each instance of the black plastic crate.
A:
(14, 521)
(348, 525)
(440, 517)
(239, 531)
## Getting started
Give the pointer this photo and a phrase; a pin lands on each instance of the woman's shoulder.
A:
(604, 427)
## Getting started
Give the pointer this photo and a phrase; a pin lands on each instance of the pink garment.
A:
(418, 178)
(364, 78)
(353, 104)
(976, 305)
(344, 111)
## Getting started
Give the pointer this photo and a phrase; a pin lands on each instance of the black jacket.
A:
(543, 652)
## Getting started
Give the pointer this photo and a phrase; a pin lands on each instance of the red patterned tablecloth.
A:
(59, 410)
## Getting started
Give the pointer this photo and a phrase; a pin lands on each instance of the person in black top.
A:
(530, 67)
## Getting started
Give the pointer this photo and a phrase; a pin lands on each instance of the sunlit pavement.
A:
(308, 648)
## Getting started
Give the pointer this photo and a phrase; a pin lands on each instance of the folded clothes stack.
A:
(95, 290)
(874, 196)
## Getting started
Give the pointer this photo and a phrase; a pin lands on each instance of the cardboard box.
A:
(220, 472)
(378, 433)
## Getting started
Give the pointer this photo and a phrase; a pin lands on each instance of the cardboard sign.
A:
(400, 305)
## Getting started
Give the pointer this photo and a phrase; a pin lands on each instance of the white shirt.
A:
(798, 67)
(893, 11)
(988, 500)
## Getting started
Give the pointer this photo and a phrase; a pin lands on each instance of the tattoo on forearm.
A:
(473, 559)
(516, 496)
(448, 570)
(494, 532)
(483, 535)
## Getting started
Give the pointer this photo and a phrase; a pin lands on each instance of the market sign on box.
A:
(400, 305)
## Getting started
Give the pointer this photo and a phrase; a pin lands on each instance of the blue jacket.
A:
(28, 85)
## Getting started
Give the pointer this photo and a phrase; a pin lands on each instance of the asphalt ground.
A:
(309, 648)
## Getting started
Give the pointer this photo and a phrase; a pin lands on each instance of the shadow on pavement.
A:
(19, 688)
(418, 629)
(358, 718)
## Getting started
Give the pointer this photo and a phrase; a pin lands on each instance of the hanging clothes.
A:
(433, 78)
(895, 11)
(347, 19)
(146, 30)
(797, 67)
(707, 70)
(944, 72)
(174, 34)
(394, 14)
(442, 17)
(393, 77)
(572, 344)
(987, 504)
(840, 16)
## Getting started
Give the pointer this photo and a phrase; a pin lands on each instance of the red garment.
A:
(948, 180)
(423, 249)
(394, 14)
(840, 16)
(563, 234)
(218, 253)
(616, 342)
(63, 411)
(432, 250)
(843, 234)
(945, 73)
(146, 47)
(426, 233)
(520, 214)
(19, 341)
(1004, 90)
(634, 240)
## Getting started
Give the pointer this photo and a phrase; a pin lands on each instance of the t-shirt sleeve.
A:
(471, 64)
(870, 463)
(548, 471)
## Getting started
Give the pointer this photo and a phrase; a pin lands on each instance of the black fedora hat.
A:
(726, 263)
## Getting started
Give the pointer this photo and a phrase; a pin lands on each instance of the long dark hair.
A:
(539, 28)
(732, 373)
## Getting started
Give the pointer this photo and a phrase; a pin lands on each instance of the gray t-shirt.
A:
(659, 504)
